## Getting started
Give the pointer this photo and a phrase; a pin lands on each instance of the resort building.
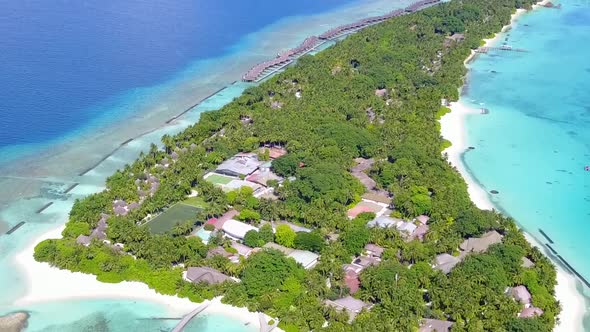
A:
(83, 240)
(352, 267)
(420, 232)
(384, 222)
(407, 227)
(349, 304)
(365, 262)
(530, 312)
(454, 38)
(521, 294)
(274, 152)
(526, 263)
(205, 274)
(422, 219)
(294, 227)
(381, 93)
(219, 222)
(243, 250)
(352, 281)
(218, 251)
(367, 206)
(263, 175)
(373, 250)
(98, 233)
(378, 196)
(306, 258)
(241, 164)
(237, 184)
(445, 262)
(481, 244)
(435, 325)
(237, 229)
(120, 207)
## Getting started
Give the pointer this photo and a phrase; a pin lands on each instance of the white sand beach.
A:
(453, 129)
(49, 284)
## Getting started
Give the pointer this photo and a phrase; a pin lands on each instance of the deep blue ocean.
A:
(62, 59)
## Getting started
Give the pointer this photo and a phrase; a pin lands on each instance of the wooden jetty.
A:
(105, 157)
(70, 188)
(500, 48)
(546, 236)
(13, 229)
(283, 59)
(44, 207)
(186, 319)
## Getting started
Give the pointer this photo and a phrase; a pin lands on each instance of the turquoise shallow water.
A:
(535, 143)
(106, 316)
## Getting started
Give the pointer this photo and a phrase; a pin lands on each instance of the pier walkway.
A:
(501, 48)
(283, 59)
(186, 319)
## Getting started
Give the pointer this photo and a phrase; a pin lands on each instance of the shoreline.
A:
(67, 286)
(453, 128)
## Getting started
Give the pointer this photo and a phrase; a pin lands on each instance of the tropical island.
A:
(321, 197)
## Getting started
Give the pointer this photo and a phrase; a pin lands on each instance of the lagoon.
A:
(534, 144)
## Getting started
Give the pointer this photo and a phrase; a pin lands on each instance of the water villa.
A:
(283, 59)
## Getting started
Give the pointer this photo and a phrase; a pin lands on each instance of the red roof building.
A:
(351, 279)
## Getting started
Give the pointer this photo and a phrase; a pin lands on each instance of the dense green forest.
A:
(325, 129)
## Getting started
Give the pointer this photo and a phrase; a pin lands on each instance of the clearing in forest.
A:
(173, 216)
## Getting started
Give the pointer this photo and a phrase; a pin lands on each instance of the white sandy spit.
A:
(50, 284)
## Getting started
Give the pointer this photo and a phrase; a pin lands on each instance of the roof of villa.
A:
(206, 274)
(481, 244)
